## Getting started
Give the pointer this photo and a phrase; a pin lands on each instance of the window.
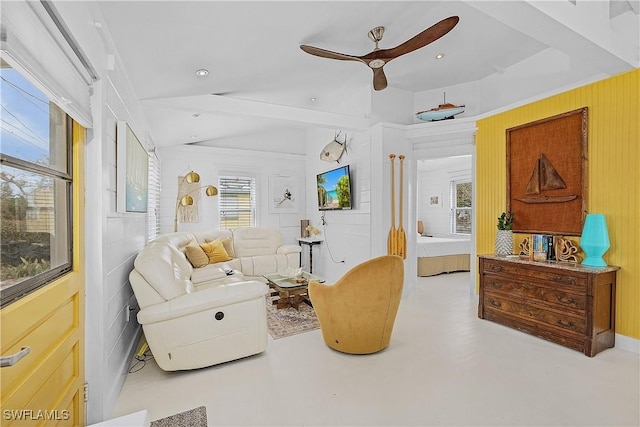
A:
(35, 188)
(237, 202)
(460, 198)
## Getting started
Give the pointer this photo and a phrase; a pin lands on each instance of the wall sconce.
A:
(594, 240)
(186, 199)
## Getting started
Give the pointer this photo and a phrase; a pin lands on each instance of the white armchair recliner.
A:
(189, 327)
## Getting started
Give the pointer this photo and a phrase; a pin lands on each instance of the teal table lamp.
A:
(594, 240)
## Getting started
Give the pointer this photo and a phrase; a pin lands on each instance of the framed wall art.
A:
(434, 200)
(132, 171)
(547, 174)
(284, 193)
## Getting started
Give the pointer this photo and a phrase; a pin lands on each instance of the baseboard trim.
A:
(627, 343)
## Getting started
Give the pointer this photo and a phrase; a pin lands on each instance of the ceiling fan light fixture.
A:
(202, 72)
(376, 63)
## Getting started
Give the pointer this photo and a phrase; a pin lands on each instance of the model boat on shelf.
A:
(443, 111)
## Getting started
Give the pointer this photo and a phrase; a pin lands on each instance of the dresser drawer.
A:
(500, 284)
(552, 275)
(534, 312)
(543, 292)
(554, 297)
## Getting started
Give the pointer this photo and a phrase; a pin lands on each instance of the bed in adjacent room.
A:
(442, 255)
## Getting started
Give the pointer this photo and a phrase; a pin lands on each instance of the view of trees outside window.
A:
(35, 187)
(461, 207)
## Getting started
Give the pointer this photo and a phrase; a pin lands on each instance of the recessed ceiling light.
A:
(193, 136)
(440, 56)
(202, 72)
(313, 99)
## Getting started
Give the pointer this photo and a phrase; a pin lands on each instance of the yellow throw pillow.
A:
(196, 255)
(228, 246)
(215, 251)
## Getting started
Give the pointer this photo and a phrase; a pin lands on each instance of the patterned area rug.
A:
(289, 321)
(196, 417)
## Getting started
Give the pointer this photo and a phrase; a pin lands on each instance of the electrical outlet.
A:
(128, 312)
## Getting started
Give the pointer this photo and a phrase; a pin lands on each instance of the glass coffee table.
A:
(291, 292)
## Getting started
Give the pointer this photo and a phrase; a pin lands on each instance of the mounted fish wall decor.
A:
(333, 151)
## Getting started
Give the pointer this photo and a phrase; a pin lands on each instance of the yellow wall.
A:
(614, 175)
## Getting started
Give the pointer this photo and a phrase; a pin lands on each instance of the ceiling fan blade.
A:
(418, 41)
(379, 79)
(323, 53)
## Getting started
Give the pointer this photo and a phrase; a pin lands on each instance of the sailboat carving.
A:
(545, 178)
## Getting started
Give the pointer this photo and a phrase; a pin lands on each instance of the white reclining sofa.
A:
(197, 317)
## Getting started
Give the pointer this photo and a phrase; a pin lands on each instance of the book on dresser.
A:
(563, 302)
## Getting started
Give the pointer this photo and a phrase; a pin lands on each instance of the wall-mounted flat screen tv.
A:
(334, 189)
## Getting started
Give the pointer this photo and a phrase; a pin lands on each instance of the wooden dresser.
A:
(566, 303)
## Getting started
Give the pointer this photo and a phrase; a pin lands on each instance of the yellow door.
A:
(46, 387)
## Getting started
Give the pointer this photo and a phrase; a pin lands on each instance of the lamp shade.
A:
(595, 240)
(186, 201)
(211, 190)
(192, 177)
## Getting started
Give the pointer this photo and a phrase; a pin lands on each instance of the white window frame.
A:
(454, 208)
(225, 203)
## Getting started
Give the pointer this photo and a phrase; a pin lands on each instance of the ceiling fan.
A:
(377, 58)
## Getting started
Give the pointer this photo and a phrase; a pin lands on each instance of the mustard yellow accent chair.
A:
(357, 312)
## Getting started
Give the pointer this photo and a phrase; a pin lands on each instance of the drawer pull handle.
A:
(495, 268)
(565, 324)
(496, 285)
(567, 280)
(566, 300)
(495, 303)
(14, 358)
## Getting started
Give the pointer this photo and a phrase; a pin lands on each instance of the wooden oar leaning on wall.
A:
(402, 238)
(392, 240)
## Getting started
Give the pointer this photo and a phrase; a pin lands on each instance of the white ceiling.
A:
(261, 82)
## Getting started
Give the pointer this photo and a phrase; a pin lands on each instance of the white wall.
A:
(211, 163)
(112, 239)
(356, 235)
(434, 177)
(346, 233)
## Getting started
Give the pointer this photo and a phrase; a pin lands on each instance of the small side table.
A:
(310, 243)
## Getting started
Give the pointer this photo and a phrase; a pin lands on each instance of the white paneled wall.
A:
(112, 244)
(112, 239)
(346, 234)
(211, 163)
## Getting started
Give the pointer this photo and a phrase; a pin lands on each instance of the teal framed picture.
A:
(132, 171)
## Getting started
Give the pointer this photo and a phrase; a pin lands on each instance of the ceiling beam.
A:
(218, 104)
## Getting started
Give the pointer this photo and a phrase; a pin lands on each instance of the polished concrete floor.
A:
(444, 367)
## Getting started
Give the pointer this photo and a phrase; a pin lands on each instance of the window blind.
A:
(153, 210)
(237, 201)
